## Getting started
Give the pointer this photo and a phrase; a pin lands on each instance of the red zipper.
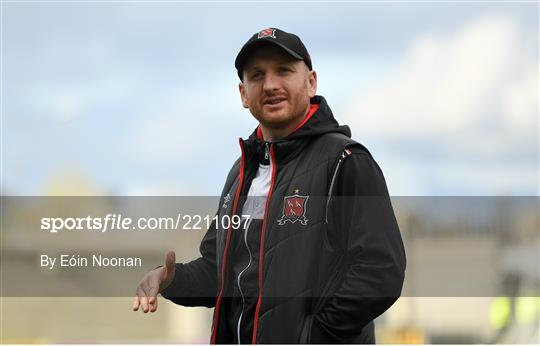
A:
(261, 246)
(227, 241)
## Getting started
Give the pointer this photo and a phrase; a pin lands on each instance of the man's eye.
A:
(284, 70)
(255, 75)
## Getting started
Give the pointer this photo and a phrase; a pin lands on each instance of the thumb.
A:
(170, 260)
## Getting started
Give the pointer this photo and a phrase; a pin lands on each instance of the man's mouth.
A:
(274, 101)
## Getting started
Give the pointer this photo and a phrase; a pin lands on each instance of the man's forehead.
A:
(269, 54)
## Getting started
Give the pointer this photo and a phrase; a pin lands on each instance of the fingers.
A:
(152, 300)
(136, 303)
(153, 303)
(142, 299)
(144, 303)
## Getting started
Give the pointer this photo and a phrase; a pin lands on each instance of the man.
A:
(321, 254)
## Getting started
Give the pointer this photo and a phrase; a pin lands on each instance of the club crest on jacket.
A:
(294, 209)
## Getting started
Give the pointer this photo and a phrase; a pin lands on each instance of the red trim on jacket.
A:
(227, 242)
(312, 109)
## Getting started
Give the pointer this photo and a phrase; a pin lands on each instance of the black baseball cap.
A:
(290, 43)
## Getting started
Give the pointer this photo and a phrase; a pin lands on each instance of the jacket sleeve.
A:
(195, 282)
(362, 221)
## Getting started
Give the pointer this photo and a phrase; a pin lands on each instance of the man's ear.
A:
(312, 83)
(243, 95)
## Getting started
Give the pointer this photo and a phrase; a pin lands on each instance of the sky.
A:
(141, 98)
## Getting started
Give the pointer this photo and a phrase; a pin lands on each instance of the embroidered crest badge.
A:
(294, 209)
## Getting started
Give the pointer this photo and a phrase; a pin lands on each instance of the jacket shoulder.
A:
(342, 142)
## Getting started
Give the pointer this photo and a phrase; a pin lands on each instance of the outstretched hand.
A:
(154, 282)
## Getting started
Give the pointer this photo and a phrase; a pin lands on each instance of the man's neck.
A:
(274, 134)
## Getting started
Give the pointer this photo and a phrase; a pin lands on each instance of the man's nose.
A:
(271, 82)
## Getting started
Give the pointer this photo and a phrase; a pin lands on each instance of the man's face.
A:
(277, 88)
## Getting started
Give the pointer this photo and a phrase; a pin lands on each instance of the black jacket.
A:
(333, 258)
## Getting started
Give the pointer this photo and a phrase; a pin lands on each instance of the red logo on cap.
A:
(267, 33)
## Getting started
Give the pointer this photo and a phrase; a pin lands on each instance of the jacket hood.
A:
(316, 123)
